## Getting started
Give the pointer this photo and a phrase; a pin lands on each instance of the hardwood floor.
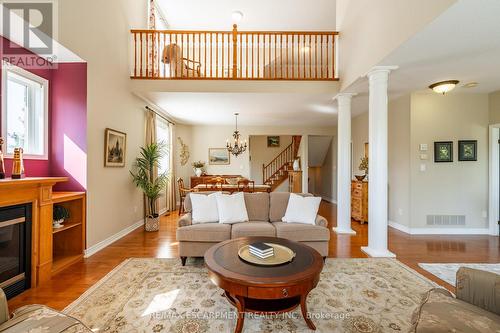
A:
(68, 285)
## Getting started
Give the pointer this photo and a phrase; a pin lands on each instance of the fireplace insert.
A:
(15, 249)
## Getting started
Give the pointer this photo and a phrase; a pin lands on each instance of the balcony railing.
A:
(233, 55)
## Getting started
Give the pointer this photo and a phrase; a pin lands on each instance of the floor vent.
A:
(445, 219)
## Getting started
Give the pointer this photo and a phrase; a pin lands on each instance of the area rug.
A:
(448, 272)
(160, 295)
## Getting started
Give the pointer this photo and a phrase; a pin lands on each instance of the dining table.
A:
(232, 188)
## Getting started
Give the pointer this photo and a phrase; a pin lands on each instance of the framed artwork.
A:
(218, 156)
(467, 150)
(115, 148)
(273, 141)
(443, 151)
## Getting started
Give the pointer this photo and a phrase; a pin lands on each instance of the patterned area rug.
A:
(448, 272)
(159, 295)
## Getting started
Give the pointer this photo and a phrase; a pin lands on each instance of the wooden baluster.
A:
(147, 55)
(258, 55)
(235, 51)
(264, 55)
(253, 51)
(275, 56)
(223, 54)
(217, 55)
(204, 54)
(310, 57)
(304, 55)
(287, 63)
(211, 58)
(293, 57)
(263, 173)
(135, 54)
(327, 57)
(316, 55)
(281, 56)
(174, 67)
(298, 56)
(270, 59)
(246, 56)
(321, 48)
(333, 56)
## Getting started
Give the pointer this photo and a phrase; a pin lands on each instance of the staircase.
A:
(276, 172)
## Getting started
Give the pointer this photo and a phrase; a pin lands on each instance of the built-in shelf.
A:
(66, 227)
(68, 242)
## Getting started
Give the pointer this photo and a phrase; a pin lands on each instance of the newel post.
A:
(235, 50)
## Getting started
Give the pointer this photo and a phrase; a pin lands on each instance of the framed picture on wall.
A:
(273, 141)
(467, 150)
(218, 156)
(443, 151)
(115, 148)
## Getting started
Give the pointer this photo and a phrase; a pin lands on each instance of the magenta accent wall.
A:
(67, 116)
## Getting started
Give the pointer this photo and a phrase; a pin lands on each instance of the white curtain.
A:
(165, 135)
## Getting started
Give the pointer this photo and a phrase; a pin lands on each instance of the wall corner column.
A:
(344, 164)
(378, 158)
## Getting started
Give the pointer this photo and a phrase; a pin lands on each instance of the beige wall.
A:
(370, 30)
(359, 136)
(328, 174)
(399, 160)
(494, 112)
(103, 41)
(261, 154)
(458, 188)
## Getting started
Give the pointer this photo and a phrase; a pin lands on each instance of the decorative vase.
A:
(152, 223)
(296, 165)
(198, 172)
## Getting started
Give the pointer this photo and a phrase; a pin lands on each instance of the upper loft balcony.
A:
(234, 55)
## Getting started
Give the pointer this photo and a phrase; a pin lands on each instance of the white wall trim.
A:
(108, 241)
(439, 231)
(494, 190)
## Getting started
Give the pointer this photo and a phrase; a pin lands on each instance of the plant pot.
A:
(360, 178)
(198, 172)
(152, 223)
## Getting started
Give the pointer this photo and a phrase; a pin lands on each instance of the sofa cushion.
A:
(441, 312)
(206, 232)
(231, 208)
(279, 203)
(257, 206)
(301, 232)
(252, 228)
(188, 206)
(302, 209)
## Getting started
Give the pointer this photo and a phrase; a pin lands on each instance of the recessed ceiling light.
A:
(444, 86)
(237, 16)
(470, 85)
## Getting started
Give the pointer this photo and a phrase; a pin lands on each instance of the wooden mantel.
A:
(38, 192)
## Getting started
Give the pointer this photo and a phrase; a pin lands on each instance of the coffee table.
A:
(264, 290)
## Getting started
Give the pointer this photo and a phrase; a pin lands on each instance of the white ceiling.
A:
(463, 43)
(256, 109)
(258, 14)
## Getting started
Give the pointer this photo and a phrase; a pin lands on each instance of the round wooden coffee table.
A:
(264, 290)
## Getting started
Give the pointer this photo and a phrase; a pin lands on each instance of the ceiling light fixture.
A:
(237, 16)
(444, 87)
(237, 147)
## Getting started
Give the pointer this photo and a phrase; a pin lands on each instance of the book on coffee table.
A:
(261, 250)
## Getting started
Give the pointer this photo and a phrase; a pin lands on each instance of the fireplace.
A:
(15, 249)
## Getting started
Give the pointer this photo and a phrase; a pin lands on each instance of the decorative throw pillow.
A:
(232, 208)
(204, 208)
(301, 209)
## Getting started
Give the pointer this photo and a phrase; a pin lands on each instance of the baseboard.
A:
(439, 231)
(108, 241)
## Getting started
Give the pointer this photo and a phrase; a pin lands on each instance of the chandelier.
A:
(237, 147)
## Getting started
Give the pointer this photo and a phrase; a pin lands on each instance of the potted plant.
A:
(59, 214)
(143, 178)
(363, 166)
(198, 168)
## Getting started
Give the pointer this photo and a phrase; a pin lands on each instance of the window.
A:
(24, 112)
(163, 136)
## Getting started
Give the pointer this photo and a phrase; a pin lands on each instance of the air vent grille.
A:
(445, 219)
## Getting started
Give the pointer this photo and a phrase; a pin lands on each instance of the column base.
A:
(348, 231)
(377, 253)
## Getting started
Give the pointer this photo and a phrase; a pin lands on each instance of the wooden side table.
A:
(359, 201)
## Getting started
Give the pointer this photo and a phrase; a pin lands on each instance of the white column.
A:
(378, 176)
(344, 164)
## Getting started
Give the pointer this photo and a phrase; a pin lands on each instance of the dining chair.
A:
(245, 185)
(183, 191)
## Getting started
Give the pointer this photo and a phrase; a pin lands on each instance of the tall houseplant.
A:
(143, 176)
